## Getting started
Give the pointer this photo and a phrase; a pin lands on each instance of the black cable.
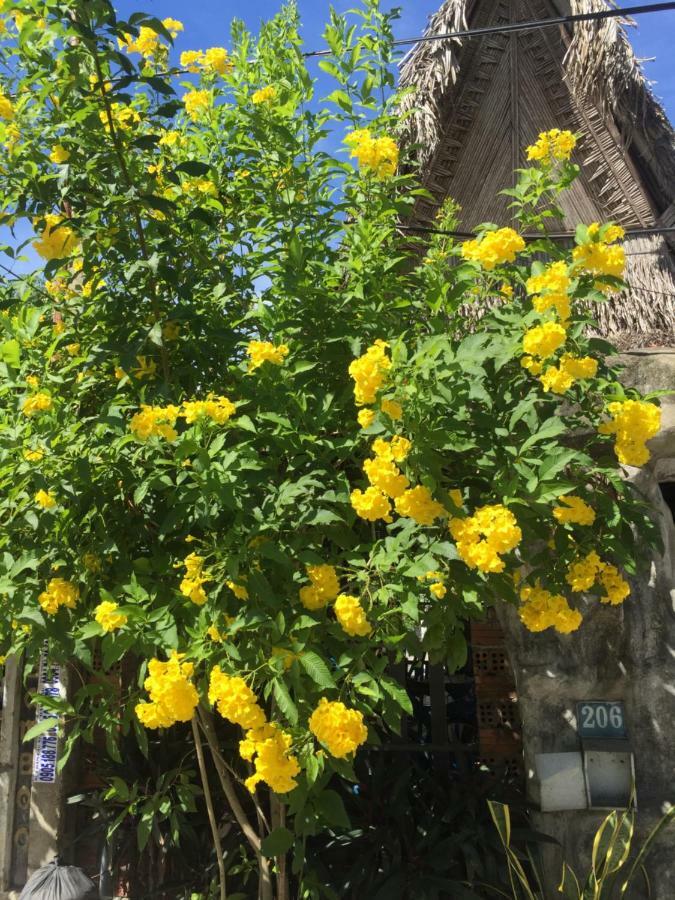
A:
(552, 236)
(530, 25)
(513, 27)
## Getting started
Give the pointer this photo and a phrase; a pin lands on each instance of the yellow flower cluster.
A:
(34, 455)
(325, 586)
(192, 584)
(123, 117)
(155, 421)
(366, 417)
(108, 617)
(542, 341)
(571, 368)
(417, 503)
(550, 290)
(6, 107)
(575, 511)
(634, 422)
(397, 449)
(260, 352)
(541, 610)
(369, 372)
(57, 240)
(483, 538)
(148, 41)
(218, 409)
(239, 591)
(264, 95)
(494, 248)
(196, 103)
(392, 408)
(583, 574)
(45, 499)
(338, 728)
(376, 154)
(215, 59)
(218, 636)
(351, 616)
(173, 697)
(268, 747)
(59, 593)
(602, 256)
(438, 588)
(193, 187)
(385, 475)
(386, 481)
(59, 154)
(552, 145)
(38, 403)
(616, 588)
(371, 504)
(234, 700)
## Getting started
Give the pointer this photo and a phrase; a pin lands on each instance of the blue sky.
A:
(207, 24)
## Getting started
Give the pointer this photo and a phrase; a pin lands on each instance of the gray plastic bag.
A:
(55, 882)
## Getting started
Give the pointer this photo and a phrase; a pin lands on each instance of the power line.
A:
(530, 25)
(511, 28)
(552, 236)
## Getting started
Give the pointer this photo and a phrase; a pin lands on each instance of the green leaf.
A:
(317, 669)
(551, 428)
(399, 694)
(457, 651)
(193, 167)
(277, 842)
(40, 728)
(285, 702)
(10, 353)
(329, 804)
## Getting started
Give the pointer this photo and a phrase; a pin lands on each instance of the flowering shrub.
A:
(250, 443)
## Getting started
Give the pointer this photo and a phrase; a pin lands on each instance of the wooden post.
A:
(439, 717)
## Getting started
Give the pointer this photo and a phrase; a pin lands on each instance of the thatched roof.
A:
(475, 103)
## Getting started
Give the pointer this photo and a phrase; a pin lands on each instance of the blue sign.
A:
(601, 719)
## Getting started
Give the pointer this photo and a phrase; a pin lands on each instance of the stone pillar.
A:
(47, 791)
(625, 653)
(9, 765)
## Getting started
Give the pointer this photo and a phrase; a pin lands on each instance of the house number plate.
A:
(601, 719)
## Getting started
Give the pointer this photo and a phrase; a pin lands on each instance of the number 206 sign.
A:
(601, 719)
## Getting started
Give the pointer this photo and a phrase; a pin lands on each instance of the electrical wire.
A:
(530, 25)
(552, 236)
(511, 28)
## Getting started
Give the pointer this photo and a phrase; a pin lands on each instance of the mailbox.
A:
(608, 760)
(602, 774)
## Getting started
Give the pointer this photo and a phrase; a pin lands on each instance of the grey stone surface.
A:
(625, 653)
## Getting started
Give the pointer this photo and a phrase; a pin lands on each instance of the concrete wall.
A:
(625, 653)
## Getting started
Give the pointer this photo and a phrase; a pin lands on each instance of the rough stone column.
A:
(625, 653)
(9, 765)
(47, 809)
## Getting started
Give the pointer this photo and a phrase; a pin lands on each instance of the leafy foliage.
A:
(178, 434)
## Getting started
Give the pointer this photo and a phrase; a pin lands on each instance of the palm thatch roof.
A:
(474, 104)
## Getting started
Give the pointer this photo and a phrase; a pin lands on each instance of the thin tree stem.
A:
(209, 806)
(206, 722)
(278, 817)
